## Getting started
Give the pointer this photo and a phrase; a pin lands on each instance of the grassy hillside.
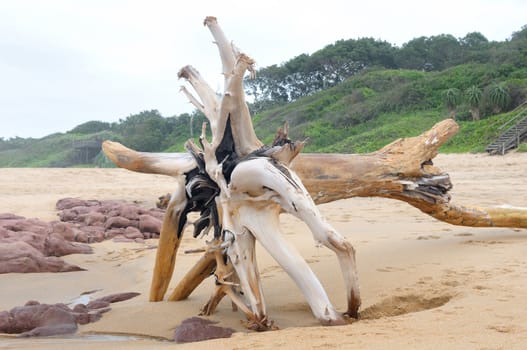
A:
(376, 107)
(361, 114)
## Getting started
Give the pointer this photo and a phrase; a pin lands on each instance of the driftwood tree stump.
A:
(240, 187)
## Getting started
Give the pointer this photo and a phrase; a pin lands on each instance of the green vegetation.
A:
(353, 96)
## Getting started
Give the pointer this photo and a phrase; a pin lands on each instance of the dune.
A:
(424, 283)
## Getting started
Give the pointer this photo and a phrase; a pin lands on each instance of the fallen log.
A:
(240, 186)
(402, 170)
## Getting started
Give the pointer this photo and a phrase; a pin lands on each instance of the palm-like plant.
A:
(473, 96)
(499, 97)
(452, 98)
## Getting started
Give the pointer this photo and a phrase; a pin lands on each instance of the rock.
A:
(132, 233)
(93, 218)
(117, 221)
(56, 245)
(114, 298)
(67, 231)
(35, 319)
(130, 212)
(148, 223)
(93, 233)
(9, 216)
(97, 304)
(21, 257)
(68, 203)
(82, 221)
(198, 329)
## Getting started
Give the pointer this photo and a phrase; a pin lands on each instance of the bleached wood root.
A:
(242, 257)
(210, 104)
(265, 227)
(261, 185)
(171, 164)
(283, 187)
(402, 170)
(234, 111)
(225, 47)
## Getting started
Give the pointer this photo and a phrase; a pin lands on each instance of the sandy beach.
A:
(425, 284)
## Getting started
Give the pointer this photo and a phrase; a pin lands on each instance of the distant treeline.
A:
(306, 74)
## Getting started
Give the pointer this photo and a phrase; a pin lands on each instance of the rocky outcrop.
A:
(35, 319)
(33, 245)
(99, 220)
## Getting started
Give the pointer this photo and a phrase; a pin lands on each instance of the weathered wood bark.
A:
(402, 170)
(240, 187)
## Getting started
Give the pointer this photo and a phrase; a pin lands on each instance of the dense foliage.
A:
(306, 74)
(351, 96)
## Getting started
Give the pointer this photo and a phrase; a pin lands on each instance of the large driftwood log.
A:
(240, 187)
(402, 170)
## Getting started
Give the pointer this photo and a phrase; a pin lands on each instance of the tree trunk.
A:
(402, 170)
(262, 185)
(474, 111)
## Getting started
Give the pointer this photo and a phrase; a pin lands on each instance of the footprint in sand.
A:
(483, 243)
(502, 328)
(464, 234)
(390, 269)
(403, 304)
(426, 237)
(267, 271)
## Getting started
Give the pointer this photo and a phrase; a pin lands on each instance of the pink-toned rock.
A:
(117, 297)
(65, 230)
(197, 329)
(35, 319)
(130, 211)
(83, 221)
(9, 216)
(22, 257)
(114, 232)
(97, 304)
(132, 233)
(93, 218)
(68, 203)
(55, 245)
(94, 233)
(148, 223)
(117, 221)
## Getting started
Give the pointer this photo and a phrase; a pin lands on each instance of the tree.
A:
(452, 98)
(90, 127)
(498, 97)
(473, 96)
(475, 48)
(146, 131)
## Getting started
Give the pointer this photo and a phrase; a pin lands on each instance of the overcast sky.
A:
(63, 63)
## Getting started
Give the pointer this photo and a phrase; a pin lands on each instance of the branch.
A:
(225, 48)
(172, 164)
(402, 170)
(233, 106)
(209, 99)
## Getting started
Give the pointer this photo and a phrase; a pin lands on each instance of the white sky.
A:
(63, 63)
